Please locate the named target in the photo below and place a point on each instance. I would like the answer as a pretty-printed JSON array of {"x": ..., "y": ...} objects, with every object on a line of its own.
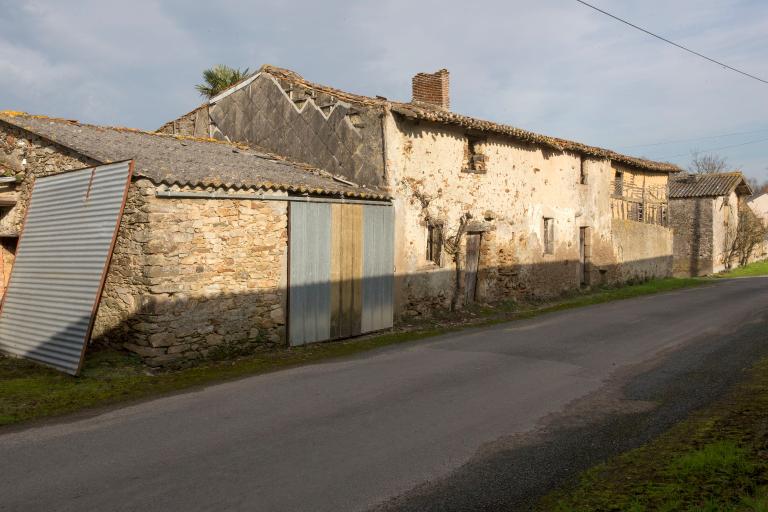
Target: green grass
[
  {"x": 717, "y": 460},
  {"x": 29, "y": 391},
  {"x": 759, "y": 268}
]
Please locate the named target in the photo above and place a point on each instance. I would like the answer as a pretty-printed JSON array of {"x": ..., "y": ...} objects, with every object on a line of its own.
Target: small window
[
  {"x": 618, "y": 184},
  {"x": 583, "y": 171},
  {"x": 474, "y": 160},
  {"x": 434, "y": 242},
  {"x": 549, "y": 235}
]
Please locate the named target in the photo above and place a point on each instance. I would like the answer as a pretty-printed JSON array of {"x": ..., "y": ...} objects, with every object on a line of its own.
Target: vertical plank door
[{"x": 472, "y": 262}]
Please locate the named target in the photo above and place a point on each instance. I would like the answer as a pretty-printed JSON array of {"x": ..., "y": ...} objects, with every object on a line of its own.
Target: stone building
[
  {"x": 201, "y": 256},
  {"x": 704, "y": 215},
  {"x": 759, "y": 205},
  {"x": 483, "y": 211}
]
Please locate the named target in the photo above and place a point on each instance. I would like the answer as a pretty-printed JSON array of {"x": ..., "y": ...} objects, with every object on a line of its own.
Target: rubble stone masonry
[
  {"x": 186, "y": 275},
  {"x": 190, "y": 275}
]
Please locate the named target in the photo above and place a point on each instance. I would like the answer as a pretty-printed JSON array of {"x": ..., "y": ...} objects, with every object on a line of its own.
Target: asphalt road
[{"x": 486, "y": 419}]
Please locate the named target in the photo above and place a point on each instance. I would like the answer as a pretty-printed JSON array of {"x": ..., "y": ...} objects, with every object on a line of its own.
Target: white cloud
[{"x": 553, "y": 66}]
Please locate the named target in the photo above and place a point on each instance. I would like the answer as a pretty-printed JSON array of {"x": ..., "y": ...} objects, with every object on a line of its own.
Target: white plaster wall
[{"x": 522, "y": 185}]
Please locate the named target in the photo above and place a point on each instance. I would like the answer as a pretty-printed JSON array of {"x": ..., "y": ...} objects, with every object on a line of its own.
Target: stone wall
[
  {"x": 643, "y": 251},
  {"x": 25, "y": 156},
  {"x": 520, "y": 186},
  {"x": 186, "y": 275},
  {"x": 194, "y": 124},
  {"x": 691, "y": 221},
  {"x": 213, "y": 274}
]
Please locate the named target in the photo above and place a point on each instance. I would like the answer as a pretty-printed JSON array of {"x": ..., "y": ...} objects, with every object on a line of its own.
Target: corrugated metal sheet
[
  {"x": 341, "y": 271},
  {"x": 310, "y": 273},
  {"x": 378, "y": 267},
  {"x": 61, "y": 262}
]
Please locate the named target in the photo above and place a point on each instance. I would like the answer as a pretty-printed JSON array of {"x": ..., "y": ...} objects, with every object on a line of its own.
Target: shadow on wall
[
  {"x": 167, "y": 329},
  {"x": 696, "y": 240}
]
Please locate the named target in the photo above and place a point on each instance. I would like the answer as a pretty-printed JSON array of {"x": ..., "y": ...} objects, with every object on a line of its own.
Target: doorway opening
[{"x": 584, "y": 255}]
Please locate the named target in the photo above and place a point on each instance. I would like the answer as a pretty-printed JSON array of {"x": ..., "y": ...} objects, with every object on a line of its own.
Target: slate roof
[
  {"x": 437, "y": 115},
  {"x": 178, "y": 160},
  {"x": 707, "y": 185}
]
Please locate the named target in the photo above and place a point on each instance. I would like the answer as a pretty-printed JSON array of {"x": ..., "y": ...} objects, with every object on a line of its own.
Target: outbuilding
[
  {"x": 704, "y": 216},
  {"x": 218, "y": 243}
]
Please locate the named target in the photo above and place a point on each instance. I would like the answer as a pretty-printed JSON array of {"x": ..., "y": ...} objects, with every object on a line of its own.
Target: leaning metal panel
[{"x": 63, "y": 254}]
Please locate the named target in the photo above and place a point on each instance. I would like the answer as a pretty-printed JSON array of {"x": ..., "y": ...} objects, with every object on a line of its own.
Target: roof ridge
[{"x": 448, "y": 117}]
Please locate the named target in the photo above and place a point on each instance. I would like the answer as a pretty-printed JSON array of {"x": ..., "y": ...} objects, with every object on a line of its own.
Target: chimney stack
[{"x": 431, "y": 88}]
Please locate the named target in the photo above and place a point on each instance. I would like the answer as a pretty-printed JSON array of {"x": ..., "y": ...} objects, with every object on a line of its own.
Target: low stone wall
[{"x": 643, "y": 251}]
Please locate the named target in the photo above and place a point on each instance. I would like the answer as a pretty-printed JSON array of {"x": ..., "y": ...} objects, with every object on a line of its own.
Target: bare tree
[
  {"x": 750, "y": 233},
  {"x": 704, "y": 163}
]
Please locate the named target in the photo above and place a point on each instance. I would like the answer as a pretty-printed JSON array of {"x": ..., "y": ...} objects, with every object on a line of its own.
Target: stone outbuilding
[
  {"x": 204, "y": 257},
  {"x": 483, "y": 211},
  {"x": 704, "y": 215}
]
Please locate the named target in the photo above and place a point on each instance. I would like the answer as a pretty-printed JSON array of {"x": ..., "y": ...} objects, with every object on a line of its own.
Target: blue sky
[{"x": 552, "y": 66}]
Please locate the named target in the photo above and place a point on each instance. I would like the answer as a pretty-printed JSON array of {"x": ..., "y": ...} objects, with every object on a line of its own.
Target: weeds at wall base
[{"x": 29, "y": 391}]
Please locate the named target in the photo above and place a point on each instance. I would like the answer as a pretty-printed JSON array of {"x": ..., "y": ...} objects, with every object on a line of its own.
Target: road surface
[{"x": 484, "y": 419}]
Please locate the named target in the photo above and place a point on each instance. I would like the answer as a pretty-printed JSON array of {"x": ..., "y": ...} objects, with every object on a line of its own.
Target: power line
[
  {"x": 721, "y": 147},
  {"x": 641, "y": 29},
  {"x": 663, "y": 143}
]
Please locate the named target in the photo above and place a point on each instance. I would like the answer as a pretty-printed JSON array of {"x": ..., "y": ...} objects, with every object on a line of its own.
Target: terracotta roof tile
[{"x": 435, "y": 114}]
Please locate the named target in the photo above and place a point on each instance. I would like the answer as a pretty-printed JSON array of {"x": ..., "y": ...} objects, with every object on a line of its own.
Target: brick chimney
[{"x": 432, "y": 88}]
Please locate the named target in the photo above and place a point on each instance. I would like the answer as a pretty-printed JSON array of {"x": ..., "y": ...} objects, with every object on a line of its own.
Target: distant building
[
  {"x": 704, "y": 215},
  {"x": 759, "y": 205}
]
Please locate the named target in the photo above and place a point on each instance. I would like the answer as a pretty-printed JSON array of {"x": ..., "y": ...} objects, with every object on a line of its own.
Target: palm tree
[{"x": 218, "y": 78}]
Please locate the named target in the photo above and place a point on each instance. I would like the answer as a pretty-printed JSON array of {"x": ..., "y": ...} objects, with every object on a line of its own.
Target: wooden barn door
[{"x": 472, "y": 263}]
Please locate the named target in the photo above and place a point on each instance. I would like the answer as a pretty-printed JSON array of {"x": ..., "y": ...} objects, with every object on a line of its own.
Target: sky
[{"x": 550, "y": 66}]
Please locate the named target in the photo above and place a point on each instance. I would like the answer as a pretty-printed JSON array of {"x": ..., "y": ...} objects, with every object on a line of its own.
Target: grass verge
[
  {"x": 759, "y": 268},
  {"x": 717, "y": 460},
  {"x": 29, "y": 391}
]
